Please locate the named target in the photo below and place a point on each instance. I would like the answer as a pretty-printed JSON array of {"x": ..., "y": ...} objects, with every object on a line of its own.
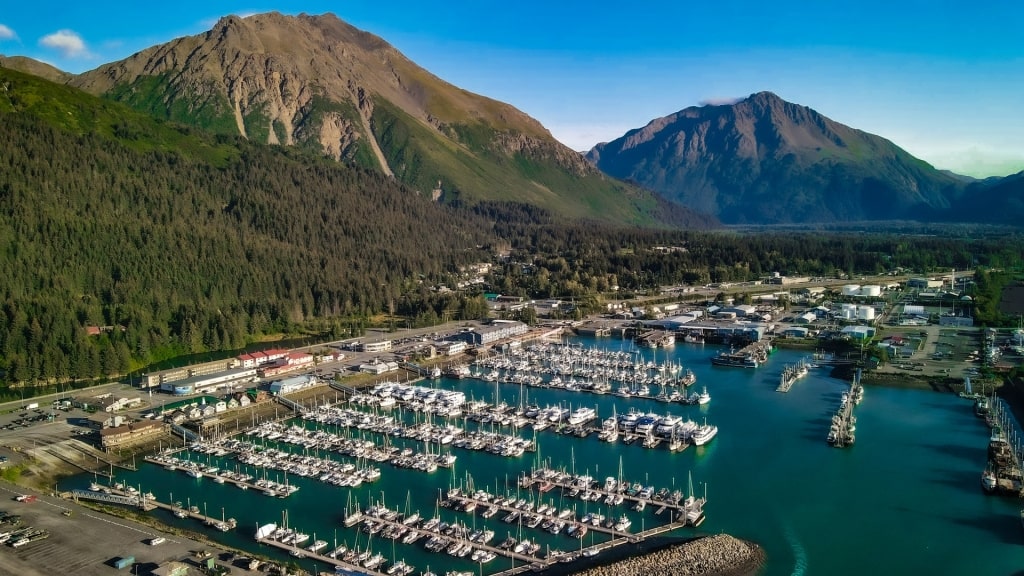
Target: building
[
  {"x": 858, "y": 332},
  {"x": 805, "y": 318},
  {"x": 162, "y": 377},
  {"x": 490, "y": 333},
  {"x": 203, "y": 382},
  {"x": 293, "y": 384},
  {"x": 376, "y": 347},
  {"x": 923, "y": 283},
  {"x": 131, "y": 433},
  {"x": 951, "y": 320},
  {"x": 111, "y": 403},
  {"x": 795, "y": 332},
  {"x": 738, "y": 311},
  {"x": 377, "y": 368},
  {"x": 450, "y": 348}
]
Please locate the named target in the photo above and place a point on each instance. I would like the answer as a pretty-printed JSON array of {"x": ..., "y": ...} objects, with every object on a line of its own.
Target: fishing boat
[{"x": 735, "y": 359}]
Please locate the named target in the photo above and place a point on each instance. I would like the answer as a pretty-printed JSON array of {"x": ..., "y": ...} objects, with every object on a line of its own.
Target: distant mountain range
[
  {"x": 763, "y": 160},
  {"x": 319, "y": 83}
]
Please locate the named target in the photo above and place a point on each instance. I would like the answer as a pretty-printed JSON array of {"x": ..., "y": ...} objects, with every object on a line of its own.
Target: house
[
  {"x": 111, "y": 403},
  {"x": 378, "y": 368}
]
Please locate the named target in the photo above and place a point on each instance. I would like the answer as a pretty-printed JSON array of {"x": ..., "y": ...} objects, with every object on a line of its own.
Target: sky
[{"x": 943, "y": 79}]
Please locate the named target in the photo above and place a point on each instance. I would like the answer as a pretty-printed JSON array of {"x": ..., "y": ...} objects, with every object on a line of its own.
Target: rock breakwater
[{"x": 719, "y": 555}]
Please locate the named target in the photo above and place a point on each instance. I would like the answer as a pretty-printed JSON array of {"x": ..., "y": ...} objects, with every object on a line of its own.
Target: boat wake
[{"x": 799, "y": 552}]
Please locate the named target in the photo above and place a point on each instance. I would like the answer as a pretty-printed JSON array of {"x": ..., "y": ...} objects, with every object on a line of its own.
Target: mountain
[
  {"x": 992, "y": 200},
  {"x": 34, "y": 67},
  {"x": 763, "y": 160},
  {"x": 319, "y": 83}
]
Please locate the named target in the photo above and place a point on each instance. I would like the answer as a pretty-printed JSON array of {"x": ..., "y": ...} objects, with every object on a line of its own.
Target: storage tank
[
  {"x": 871, "y": 290},
  {"x": 849, "y": 313},
  {"x": 866, "y": 313},
  {"x": 851, "y": 290}
]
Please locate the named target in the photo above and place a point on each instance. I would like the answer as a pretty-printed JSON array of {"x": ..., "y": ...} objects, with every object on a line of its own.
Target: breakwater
[{"x": 719, "y": 555}]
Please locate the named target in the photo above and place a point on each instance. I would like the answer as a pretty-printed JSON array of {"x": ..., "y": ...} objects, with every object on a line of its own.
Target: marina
[{"x": 763, "y": 509}]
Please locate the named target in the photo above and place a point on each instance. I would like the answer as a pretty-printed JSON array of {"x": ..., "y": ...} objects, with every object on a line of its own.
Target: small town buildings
[
  {"x": 131, "y": 434},
  {"x": 805, "y": 318},
  {"x": 450, "y": 347},
  {"x": 490, "y": 333},
  {"x": 203, "y": 382},
  {"x": 377, "y": 367},
  {"x": 111, "y": 403},
  {"x": 293, "y": 384},
  {"x": 376, "y": 347}
]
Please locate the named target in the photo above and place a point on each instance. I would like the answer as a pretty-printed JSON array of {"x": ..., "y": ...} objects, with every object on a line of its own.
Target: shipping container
[{"x": 124, "y": 562}]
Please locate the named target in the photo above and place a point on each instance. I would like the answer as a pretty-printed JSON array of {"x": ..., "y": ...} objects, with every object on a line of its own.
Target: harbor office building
[{"x": 490, "y": 333}]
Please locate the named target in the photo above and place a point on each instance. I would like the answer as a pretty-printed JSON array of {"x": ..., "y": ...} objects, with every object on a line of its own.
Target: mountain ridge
[
  {"x": 766, "y": 160},
  {"x": 318, "y": 82}
]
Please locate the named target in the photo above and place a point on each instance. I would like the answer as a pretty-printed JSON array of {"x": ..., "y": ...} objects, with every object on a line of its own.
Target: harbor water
[{"x": 906, "y": 498}]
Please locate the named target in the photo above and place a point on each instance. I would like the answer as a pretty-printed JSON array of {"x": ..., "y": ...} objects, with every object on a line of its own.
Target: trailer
[{"x": 32, "y": 406}]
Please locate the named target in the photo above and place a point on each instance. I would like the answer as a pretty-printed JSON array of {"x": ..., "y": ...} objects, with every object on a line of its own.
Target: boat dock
[
  {"x": 691, "y": 508},
  {"x": 844, "y": 423},
  {"x": 300, "y": 552}
]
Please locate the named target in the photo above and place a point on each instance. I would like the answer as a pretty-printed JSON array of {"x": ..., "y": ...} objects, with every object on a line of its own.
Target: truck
[
  {"x": 124, "y": 562},
  {"x": 32, "y": 406}
]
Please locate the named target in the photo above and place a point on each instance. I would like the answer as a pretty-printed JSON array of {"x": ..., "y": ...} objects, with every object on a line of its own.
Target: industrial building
[
  {"x": 924, "y": 283},
  {"x": 203, "y": 382},
  {"x": 490, "y": 333},
  {"x": 293, "y": 384}
]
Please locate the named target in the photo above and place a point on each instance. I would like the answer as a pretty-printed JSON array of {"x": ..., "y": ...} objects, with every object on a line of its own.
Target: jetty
[
  {"x": 790, "y": 374},
  {"x": 844, "y": 423}
]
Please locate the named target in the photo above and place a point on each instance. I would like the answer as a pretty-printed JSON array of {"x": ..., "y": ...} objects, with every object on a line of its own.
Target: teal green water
[{"x": 905, "y": 500}]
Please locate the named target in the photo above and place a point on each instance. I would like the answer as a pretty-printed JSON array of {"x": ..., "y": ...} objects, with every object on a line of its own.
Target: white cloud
[
  {"x": 719, "y": 101},
  {"x": 67, "y": 42},
  {"x": 7, "y": 34}
]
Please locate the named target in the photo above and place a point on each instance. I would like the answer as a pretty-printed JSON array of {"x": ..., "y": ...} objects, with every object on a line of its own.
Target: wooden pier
[
  {"x": 680, "y": 508},
  {"x": 305, "y": 553}
]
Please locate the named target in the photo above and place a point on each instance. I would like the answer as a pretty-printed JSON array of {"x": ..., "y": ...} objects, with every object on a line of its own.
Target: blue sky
[{"x": 943, "y": 79}]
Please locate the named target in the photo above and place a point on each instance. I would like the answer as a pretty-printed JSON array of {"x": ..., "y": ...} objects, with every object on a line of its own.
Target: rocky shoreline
[{"x": 719, "y": 555}]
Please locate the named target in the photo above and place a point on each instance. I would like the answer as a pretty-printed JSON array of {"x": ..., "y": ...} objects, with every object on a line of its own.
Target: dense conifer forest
[{"x": 125, "y": 241}]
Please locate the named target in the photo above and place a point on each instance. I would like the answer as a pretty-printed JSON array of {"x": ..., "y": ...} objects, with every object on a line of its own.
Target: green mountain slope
[
  {"x": 319, "y": 83},
  {"x": 111, "y": 218}
]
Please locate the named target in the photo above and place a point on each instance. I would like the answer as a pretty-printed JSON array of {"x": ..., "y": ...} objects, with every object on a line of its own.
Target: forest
[{"x": 125, "y": 242}]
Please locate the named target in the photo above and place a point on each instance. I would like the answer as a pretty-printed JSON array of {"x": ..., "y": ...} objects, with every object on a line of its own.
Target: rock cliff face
[
  {"x": 319, "y": 83},
  {"x": 764, "y": 160}
]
